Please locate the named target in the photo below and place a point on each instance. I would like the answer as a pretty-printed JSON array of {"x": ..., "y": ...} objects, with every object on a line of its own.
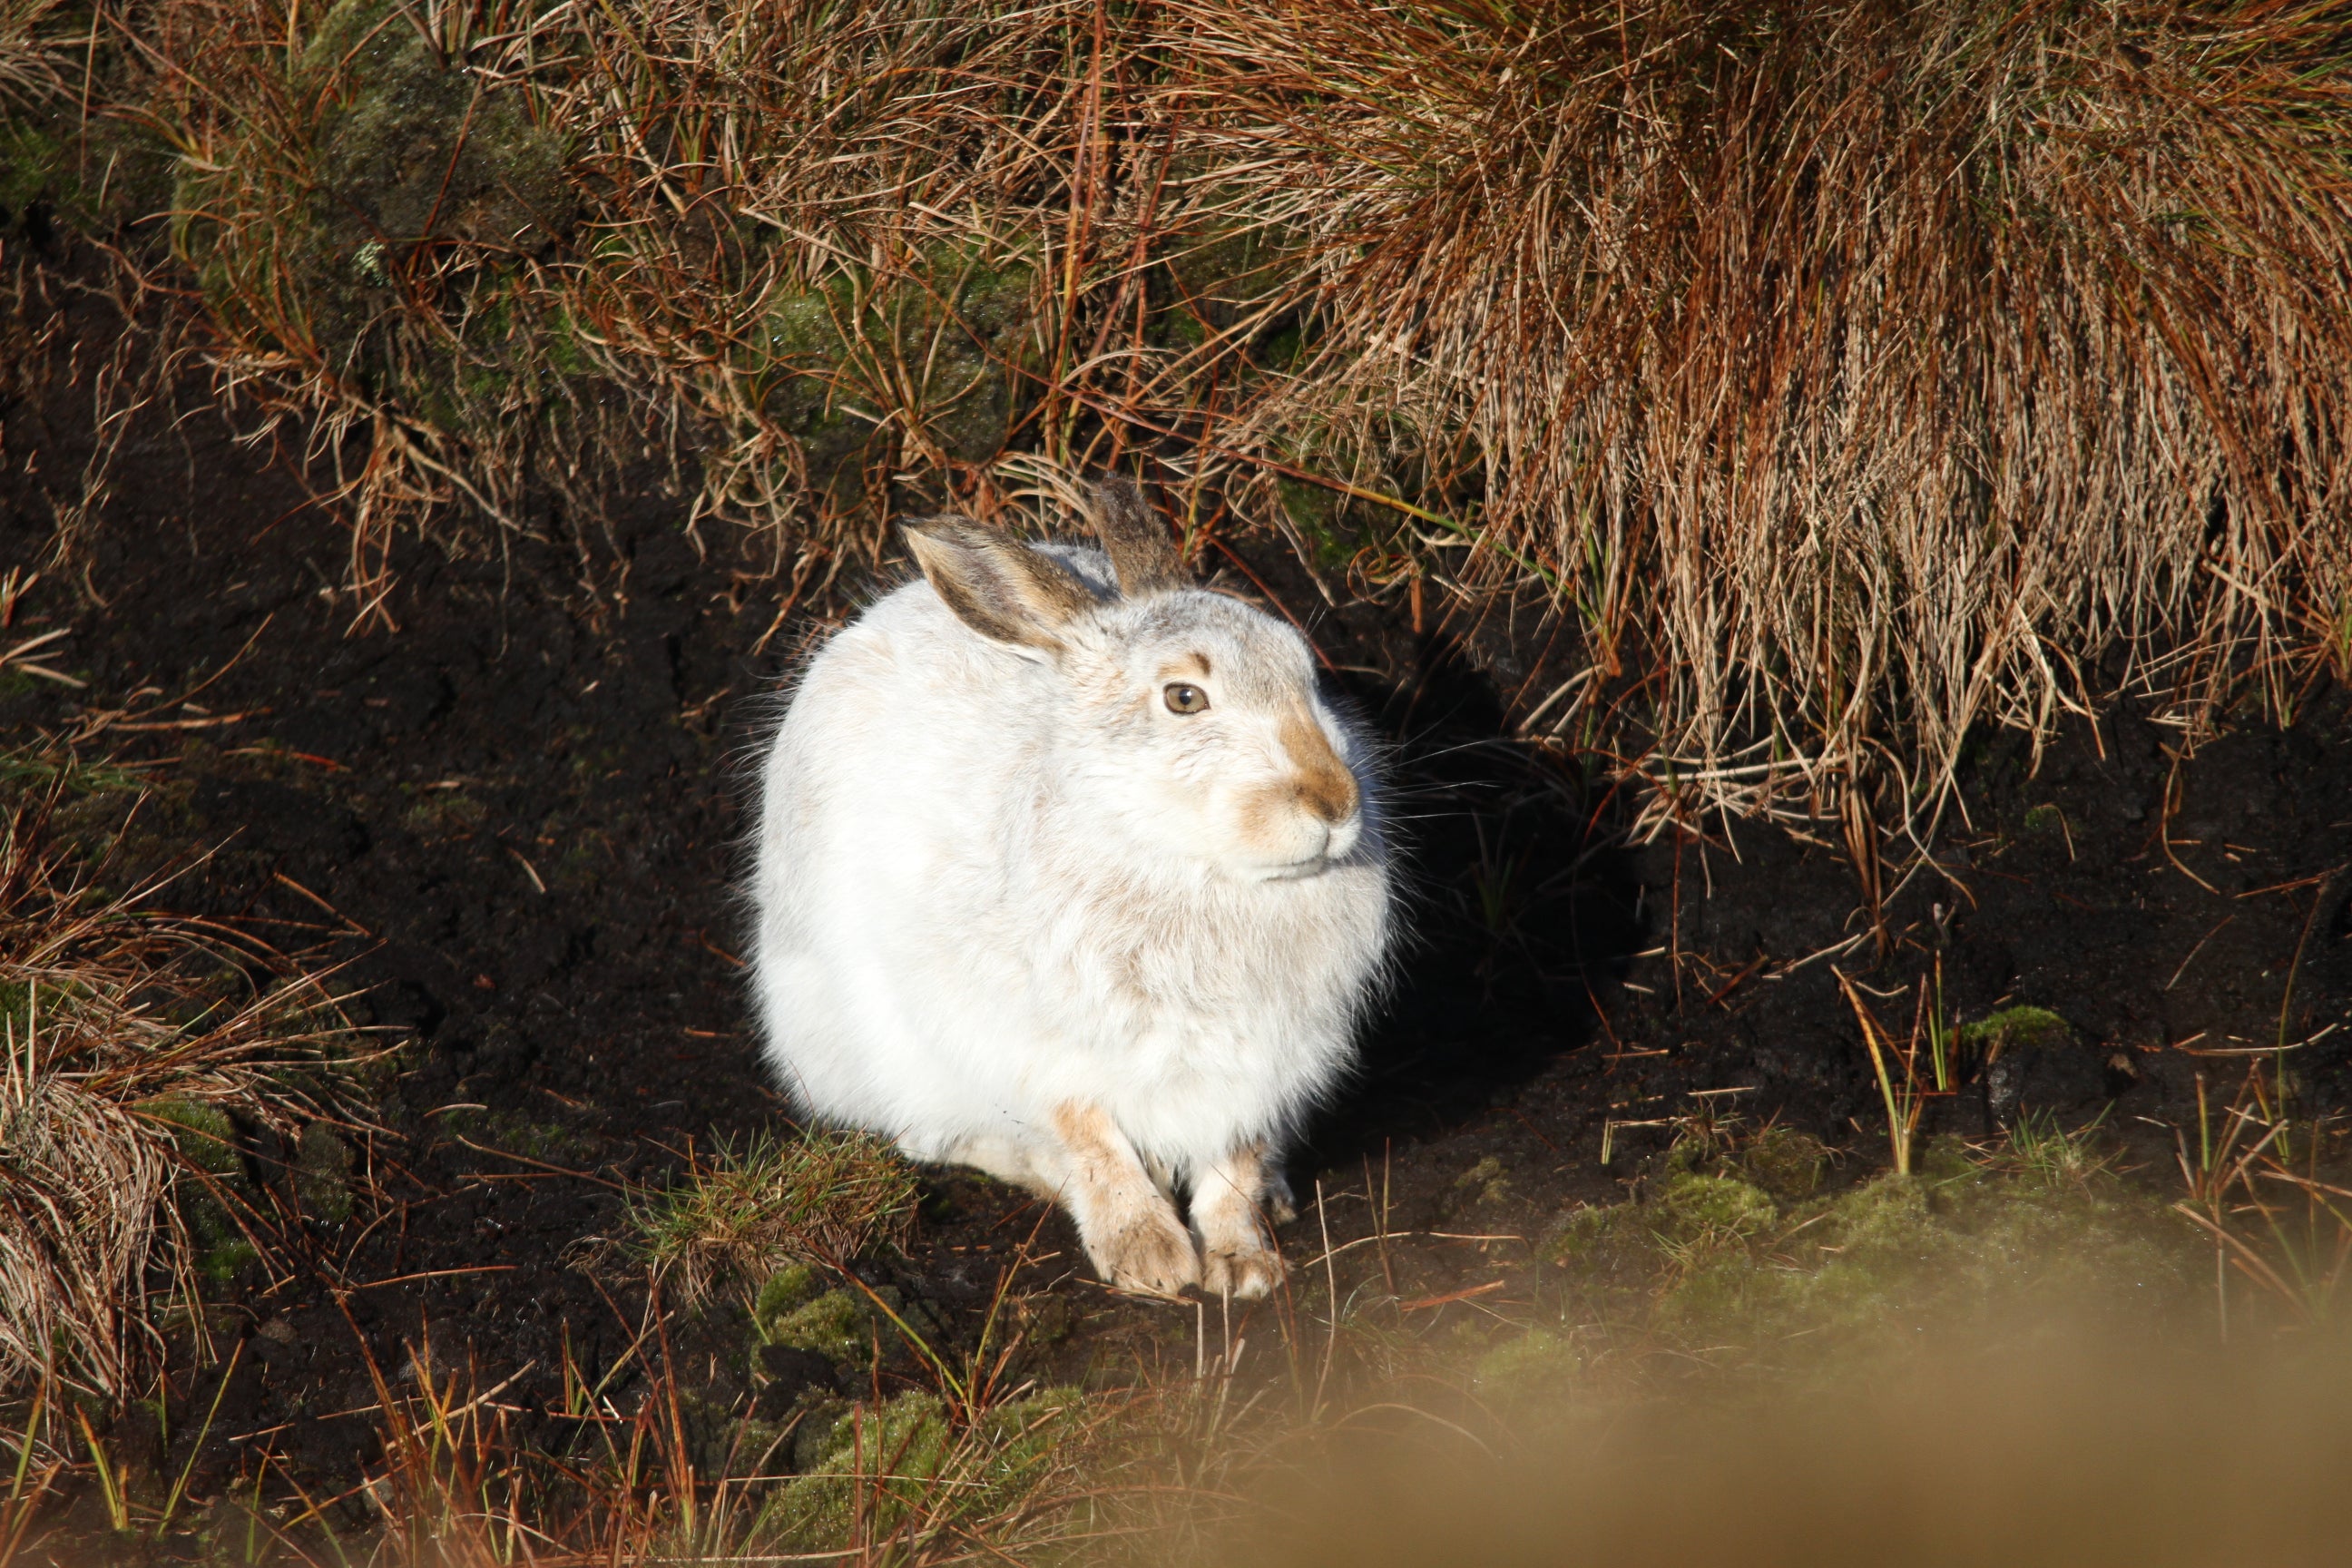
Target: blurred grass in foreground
[
  {"x": 2015, "y": 1352},
  {"x": 2055, "y": 1451}
]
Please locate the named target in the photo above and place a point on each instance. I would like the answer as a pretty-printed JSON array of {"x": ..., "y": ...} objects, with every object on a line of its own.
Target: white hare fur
[{"x": 1018, "y": 908}]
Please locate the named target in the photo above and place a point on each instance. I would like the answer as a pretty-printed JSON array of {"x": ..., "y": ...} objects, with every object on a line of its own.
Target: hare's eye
[{"x": 1184, "y": 698}]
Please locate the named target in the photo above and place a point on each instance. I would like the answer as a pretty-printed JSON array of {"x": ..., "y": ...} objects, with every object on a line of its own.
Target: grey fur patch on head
[
  {"x": 1137, "y": 541},
  {"x": 995, "y": 584}
]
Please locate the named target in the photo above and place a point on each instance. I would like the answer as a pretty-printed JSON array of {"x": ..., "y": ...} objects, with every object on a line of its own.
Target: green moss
[
  {"x": 30, "y": 160},
  {"x": 411, "y": 149},
  {"x": 2045, "y": 819},
  {"x": 904, "y": 1466},
  {"x": 830, "y": 359},
  {"x": 312, "y": 228},
  {"x": 322, "y": 1172},
  {"x": 203, "y": 1133},
  {"x": 2014, "y": 1028},
  {"x": 836, "y": 1325},
  {"x": 847, "y": 1325},
  {"x": 1716, "y": 1262},
  {"x": 1702, "y": 1227},
  {"x": 1539, "y": 1363},
  {"x": 1315, "y": 514},
  {"x": 206, "y": 1141},
  {"x": 1696, "y": 1208},
  {"x": 95, "y": 173},
  {"x": 786, "y": 1290},
  {"x": 1689, "y": 1232},
  {"x": 1898, "y": 1253},
  {"x": 1787, "y": 1164},
  {"x": 1485, "y": 1180}
]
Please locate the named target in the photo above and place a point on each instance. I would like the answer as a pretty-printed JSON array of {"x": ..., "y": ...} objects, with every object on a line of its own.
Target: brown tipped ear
[
  {"x": 995, "y": 584},
  {"x": 1135, "y": 539}
]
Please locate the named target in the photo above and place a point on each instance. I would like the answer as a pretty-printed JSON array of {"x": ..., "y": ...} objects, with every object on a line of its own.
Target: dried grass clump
[
  {"x": 1856, "y": 373},
  {"x": 817, "y": 248},
  {"x": 123, "y": 1028},
  {"x": 818, "y": 1197},
  {"x": 1839, "y": 378},
  {"x": 32, "y": 49},
  {"x": 835, "y": 236},
  {"x": 366, "y": 208}
]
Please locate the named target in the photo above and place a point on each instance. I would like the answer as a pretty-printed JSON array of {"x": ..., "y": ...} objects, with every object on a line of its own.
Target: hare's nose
[{"x": 1326, "y": 787}]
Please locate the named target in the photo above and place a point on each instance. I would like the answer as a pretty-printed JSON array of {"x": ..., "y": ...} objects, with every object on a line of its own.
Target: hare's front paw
[
  {"x": 1244, "y": 1268},
  {"x": 1150, "y": 1252}
]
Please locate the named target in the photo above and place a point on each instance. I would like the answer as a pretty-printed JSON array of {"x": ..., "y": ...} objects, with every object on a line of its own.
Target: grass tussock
[
  {"x": 1856, "y": 373},
  {"x": 1840, "y": 377},
  {"x": 33, "y": 42},
  {"x": 810, "y": 1198},
  {"x": 135, "y": 1044}
]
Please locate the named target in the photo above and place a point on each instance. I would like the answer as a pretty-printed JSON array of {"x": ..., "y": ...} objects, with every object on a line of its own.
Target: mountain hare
[{"x": 1065, "y": 871}]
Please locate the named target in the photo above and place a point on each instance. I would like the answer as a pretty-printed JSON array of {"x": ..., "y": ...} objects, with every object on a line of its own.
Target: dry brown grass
[
  {"x": 1842, "y": 377},
  {"x": 32, "y": 49},
  {"x": 1856, "y": 374},
  {"x": 2267, "y": 1187},
  {"x": 765, "y": 226},
  {"x": 117, "y": 1019}
]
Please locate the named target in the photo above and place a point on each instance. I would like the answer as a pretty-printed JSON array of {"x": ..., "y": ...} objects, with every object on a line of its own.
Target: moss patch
[
  {"x": 2014, "y": 1028},
  {"x": 1787, "y": 1164},
  {"x": 206, "y": 1141},
  {"x": 786, "y": 1290},
  {"x": 322, "y": 1172},
  {"x": 904, "y": 1466},
  {"x": 830, "y": 358},
  {"x": 835, "y": 1325},
  {"x": 1716, "y": 1261}
]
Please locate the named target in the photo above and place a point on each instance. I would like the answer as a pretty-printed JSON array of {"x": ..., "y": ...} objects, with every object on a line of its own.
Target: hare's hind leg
[
  {"x": 1129, "y": 1228},
  {"x": 1230, "y": 1196}
]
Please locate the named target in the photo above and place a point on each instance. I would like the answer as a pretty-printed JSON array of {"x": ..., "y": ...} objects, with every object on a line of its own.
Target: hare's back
[
  {"x": 879, "y": 853},
  {"x": 908, "y": 731}
]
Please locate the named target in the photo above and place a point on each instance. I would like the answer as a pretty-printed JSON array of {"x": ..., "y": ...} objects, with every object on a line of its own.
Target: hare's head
[{"x": 1194, "y": 721}]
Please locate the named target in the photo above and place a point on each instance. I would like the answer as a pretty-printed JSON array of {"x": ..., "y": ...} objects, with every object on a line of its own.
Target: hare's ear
[
  {"x": 1136, "y": 541},
  {"x": 995, "y": 584}
]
